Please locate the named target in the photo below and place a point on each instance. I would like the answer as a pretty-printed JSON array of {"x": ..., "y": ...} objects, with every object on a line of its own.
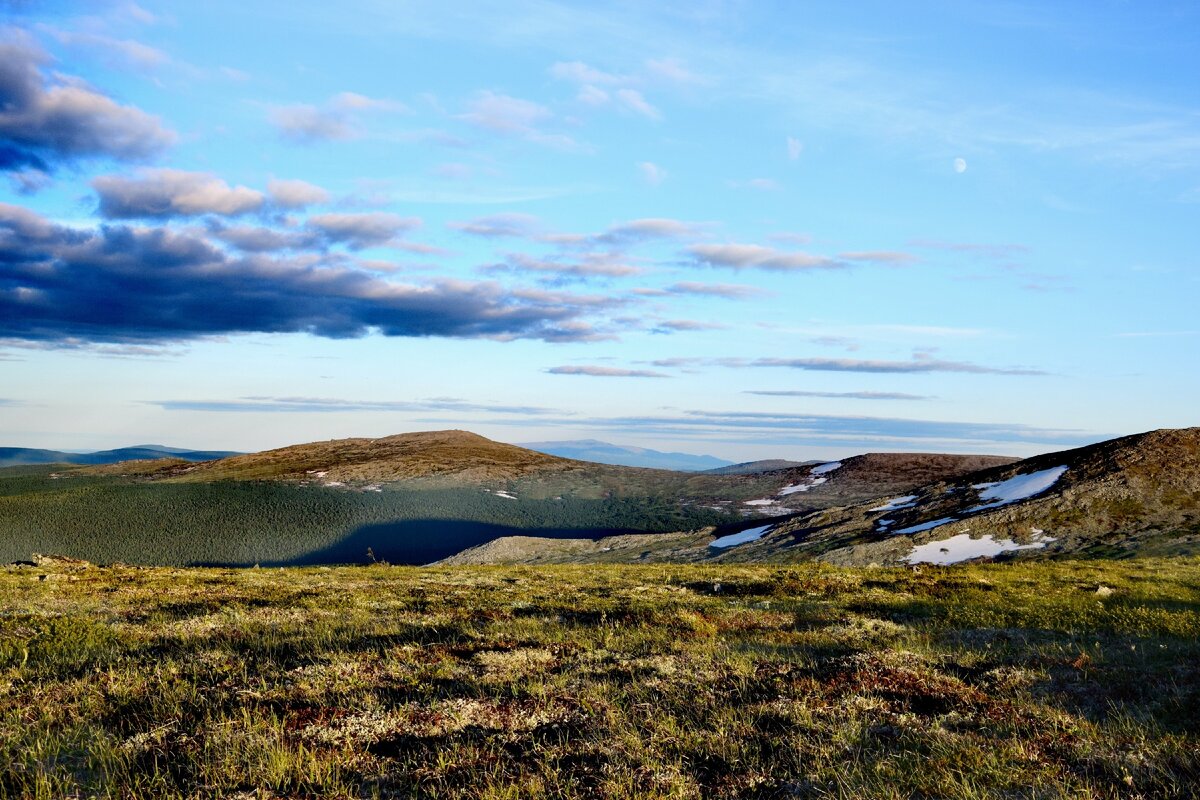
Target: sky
[{"x": 747, "y": 229}]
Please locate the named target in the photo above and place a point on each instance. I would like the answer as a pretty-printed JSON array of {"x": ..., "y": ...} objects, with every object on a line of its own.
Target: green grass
[
  {"x": 1014, "y": 681},
  {"x": 108, "y": 519}
]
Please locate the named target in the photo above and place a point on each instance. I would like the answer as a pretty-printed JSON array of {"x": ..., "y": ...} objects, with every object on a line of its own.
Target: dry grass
[{"x": 1016, "y": 681}]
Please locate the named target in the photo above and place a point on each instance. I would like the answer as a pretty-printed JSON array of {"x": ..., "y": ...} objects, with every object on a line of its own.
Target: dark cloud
[
  {"x": 167, "y": 193},
  {"x": 130, "y": 285},
  {"x": 48, "y": 120},
  {"x": 606, "y": 372},
  {"x": 841, "y": 395},
  {"x": 257, "y": 239},
  {"x": 359, "y": 231}
]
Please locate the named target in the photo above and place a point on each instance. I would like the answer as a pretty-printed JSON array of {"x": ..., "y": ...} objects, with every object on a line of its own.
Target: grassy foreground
[{"x": 1030, "y": 680}]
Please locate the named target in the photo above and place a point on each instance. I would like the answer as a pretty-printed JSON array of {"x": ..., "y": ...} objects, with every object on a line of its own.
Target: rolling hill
[
  {"x": 409, "y": 498},
  {"x": 25, "y": 456},
  {"x": 1136, "y": 495}
]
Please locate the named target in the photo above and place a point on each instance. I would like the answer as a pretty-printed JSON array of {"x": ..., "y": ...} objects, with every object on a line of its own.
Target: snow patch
[
  {"x": 924, "y": 526},
  {"x": 766, "y": 501},
  {"x": 963, "y": 548},
  {"x": 504, "y": 494},
  {"x": 1018, "y": 487},
  {"x": 897, "y": 503},
  {"x": 741, "y": 537},
  {"x": 821, "y": 469},
  {"x": 801, "y": 487}
]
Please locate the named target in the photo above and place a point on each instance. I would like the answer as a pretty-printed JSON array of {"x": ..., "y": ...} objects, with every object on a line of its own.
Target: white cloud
[
  {"x": 794, "y": 148},
  {"x": 672, "y": 69},
  {"x": 740, "y": 256},
  {"x": 295, "y": 193},
  {"x": 652, "y": 173},
  {"x": 579, "y": 72},
  {"x": 633, "y": 100}
]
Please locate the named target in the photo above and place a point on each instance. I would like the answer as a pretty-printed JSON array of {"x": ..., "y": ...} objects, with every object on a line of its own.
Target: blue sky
[{"x": 749, "y": 229}]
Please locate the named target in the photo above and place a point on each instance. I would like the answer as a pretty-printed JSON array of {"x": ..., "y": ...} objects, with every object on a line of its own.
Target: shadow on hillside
[{"x": 419, "y": 541}]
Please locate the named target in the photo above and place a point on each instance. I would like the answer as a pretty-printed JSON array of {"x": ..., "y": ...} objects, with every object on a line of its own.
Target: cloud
[
  {"x": 757, "y": 184},
  {"x": 113, "y": 52},
  {"x": 132, "y": 285},
  {"x": 322, "y": 405},
  {"x": 633, "y": 100},
  {"x": 579, "y": 72},
  {"x": 677, "y": 325},
  {"x": 588, "y": 265},
  {"x": 256, "y": 239},
  {"x": 917, "y": 365},
  {"x": 295, "y": 193},
  {"x": 166, "y": 193},
  {"x": 359, "y": 231},
  {"x": 673, "y": 70},
  {"x": 861, "y": 433},
  {"x": 652, "y": 173},
  {"x": 878, "y": 256},
  {"x": 44, "y": 122},
  {"x": 637, "y": 230},
  {"x": 306, "y": 124},
  {"x": 302, "y": 123},
  {"x": 794, "y": 148},
  {"x": 841, "y": 395},
  {"x": 607, "y": 372},
  {"x": 987, "y": 251},
  {"x": 743, "y": 256},
  {"x": 495, "y": 226},
  {"x": 729, "y": 291}
]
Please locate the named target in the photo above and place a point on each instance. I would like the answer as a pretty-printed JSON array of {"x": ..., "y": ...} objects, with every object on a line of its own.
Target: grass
[{"x": 1015, "y": 681}]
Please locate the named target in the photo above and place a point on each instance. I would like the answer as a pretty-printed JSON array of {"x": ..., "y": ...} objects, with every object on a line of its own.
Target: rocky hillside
[{"x": 1134, "y": 495}]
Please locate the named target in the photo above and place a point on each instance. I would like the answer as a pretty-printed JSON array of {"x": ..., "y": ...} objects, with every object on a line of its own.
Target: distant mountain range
[
  {"x": 26, "y": 456},
  {"x": 620, "y": 455}
]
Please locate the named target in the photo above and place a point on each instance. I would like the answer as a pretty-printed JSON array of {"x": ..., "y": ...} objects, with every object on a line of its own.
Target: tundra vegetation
[{"x": 1053, "y": 679}]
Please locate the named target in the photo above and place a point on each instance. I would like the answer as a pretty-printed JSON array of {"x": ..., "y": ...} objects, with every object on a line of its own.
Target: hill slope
[
  {"x": 25, "y": 456},
  {"x": 1134, "y": 495}
]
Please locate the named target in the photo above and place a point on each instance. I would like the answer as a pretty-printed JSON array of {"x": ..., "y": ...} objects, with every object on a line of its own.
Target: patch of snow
[
  {"x": 924, "y": 526},
  {"x": 316, "y": 474},
  {"x": 821, "y": 469},
  {"x": 984, "y": 485},
  {"x": 373, "y": 487},
  {"x": 800, "y": 487},
  {"x": 334, "y": 483},
  {"x": 1036, "y": 531},
  {"x": 1018, "y": 487},
  {"x": 883, "y": 523},
  {"x": 963, "y": 548},
  {"x": 766, "y": 501},
  {"x": 505, "y": 495},
  {"x": 897, "y": 503},
  {"x": 741, "y": 537}
]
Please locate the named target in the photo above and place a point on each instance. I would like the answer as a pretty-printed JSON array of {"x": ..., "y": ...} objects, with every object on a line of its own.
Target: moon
[{"x": 960, "y": 165}]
